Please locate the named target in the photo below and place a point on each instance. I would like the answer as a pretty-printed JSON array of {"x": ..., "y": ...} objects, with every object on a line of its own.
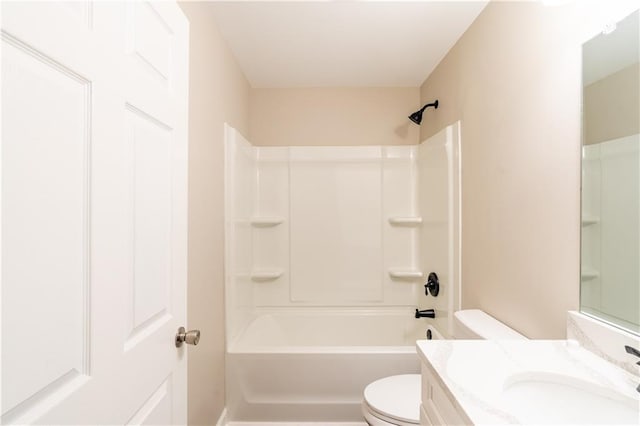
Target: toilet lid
[{"x": 397, "y": 397}]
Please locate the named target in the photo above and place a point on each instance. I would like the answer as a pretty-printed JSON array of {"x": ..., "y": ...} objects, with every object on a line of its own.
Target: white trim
[{"x": 222, "y": 420}]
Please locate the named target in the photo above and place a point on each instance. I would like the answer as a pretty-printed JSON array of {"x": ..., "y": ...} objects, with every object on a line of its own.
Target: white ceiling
[
  {"x": 342, "y": 43},
  {"x": 613, "y": 50}
]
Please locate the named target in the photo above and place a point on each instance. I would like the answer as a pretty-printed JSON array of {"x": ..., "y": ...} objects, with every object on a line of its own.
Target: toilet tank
[{"x": 476, "y": 324}]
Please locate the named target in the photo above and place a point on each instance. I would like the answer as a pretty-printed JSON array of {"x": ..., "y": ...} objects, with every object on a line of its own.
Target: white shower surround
[
  {"x": 339, "y": 226},
  {"x": 327, "y": 249}
]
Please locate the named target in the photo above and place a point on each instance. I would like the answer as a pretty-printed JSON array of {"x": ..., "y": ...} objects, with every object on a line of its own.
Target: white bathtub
[{"x": 313, "y": 365}]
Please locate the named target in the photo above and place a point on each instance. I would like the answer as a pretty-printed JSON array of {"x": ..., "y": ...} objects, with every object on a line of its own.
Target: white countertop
[{"x": 475, "y": 373}]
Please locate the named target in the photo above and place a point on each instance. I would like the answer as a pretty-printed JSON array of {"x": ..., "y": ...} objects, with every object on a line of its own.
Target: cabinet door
[{"x": 436, "y": 406}]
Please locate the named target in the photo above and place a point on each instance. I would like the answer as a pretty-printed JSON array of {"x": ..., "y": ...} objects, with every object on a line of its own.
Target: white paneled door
[{"x": 93, "y": 219}]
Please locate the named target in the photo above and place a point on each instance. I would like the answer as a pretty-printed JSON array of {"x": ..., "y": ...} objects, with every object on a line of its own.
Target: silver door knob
[{"x": 191, "y": 337}]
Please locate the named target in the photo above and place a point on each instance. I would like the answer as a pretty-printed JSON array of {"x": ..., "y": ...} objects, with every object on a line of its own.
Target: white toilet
[{"x": 395, "y": 400}]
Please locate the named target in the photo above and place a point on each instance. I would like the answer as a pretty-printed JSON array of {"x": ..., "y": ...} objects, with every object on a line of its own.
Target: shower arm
[{"x": 433, "y": 104}]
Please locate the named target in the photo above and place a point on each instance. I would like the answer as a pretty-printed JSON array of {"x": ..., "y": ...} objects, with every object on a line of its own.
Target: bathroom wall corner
[{"x": 218, "y": 93}]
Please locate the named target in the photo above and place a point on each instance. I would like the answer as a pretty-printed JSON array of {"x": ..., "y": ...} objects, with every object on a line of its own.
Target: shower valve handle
[{"x": 432, "y": 287}]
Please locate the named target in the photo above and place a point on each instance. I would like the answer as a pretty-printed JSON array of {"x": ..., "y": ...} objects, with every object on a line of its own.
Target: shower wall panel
[
  {"x": 321, "y": 226},
  {"x": 270, "y": 228},
  {"x": 240, "y": 190},
  {"x": 336, "y": 237},
  {"x": 401, "y": 224},
  {"x": 440, "y": 199}
]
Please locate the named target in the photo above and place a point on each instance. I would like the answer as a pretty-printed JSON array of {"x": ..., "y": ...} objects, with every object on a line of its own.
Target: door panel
[
  {"x": 156, "y": 410},
  {"x": 93, "y": 222},
  {"x": 149, "y": 38},
  {"x": 44, "y": 219},
  {"x": 150, "y": 144}
]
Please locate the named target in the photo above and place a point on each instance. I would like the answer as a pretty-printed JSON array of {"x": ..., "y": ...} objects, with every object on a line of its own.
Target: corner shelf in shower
[
  {"x": 266, "y": 274},
  {"x": 405, "y": 274},
  {"x": 405, "y": 220},
  {"x": 590, "y": 220},
  {"x": 589, "y": 274},
  {"x": 266, "y": 221}
]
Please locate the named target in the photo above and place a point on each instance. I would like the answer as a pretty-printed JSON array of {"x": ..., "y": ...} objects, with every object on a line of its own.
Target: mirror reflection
[{"x": 610, "y": 258}]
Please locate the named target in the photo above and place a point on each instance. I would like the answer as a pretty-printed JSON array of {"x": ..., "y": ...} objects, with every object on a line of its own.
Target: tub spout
[{"x": 426, "y": 313}]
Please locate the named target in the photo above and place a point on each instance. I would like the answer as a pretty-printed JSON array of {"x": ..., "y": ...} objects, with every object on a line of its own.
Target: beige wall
[
  {"x": 612, "y": 106},
  {"x": 334, "y": 116},
  {"x": 514, "y": 81},
  {"x": 218, "y": 93}
]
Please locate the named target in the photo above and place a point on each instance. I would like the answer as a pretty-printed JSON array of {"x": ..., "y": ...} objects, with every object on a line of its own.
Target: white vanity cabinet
[{"x": 436, "y": 408}]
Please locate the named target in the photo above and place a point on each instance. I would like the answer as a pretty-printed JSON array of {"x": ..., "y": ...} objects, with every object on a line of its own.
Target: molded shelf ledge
[
  {"x": 405, "y": 274},
  {"x": 589, "y": 274},
  {"x": 266, "y": 221},
  {"x": 590, "y": 220},
  {"x": 405, "y": 220},
  {"x": 266, "y": 275}
]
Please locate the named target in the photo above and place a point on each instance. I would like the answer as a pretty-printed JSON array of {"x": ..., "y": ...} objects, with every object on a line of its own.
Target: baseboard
[
  {"x": 222, "y": 420},
  {"x": 296, "y": 424}
]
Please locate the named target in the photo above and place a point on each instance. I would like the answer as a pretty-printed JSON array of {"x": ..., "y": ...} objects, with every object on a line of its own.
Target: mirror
[{"x": 610, "y": 246}]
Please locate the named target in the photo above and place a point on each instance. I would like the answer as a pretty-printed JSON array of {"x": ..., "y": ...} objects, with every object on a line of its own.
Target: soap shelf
[
  {"x": 266, "y": 275},
  {"x": 266, "y": 221},
  {"x": 590, "y": 220},
  {"x": 589, "y": 274},
  {"x": 405, "y": 274},
  {"x": 405, "y": 220}
]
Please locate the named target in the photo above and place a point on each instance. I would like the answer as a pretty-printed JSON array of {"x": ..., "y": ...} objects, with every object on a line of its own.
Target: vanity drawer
[{"x": 438, "y": 409}]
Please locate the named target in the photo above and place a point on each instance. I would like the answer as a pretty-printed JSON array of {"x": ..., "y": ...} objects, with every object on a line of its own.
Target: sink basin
[{"x": 545, "y": 398}]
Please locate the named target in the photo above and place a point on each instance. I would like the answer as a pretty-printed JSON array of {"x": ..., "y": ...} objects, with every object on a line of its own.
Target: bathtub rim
[{"x": 236, "y": 346}]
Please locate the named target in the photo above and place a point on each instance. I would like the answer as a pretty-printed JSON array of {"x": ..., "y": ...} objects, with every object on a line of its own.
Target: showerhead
[{"x": 416, "y": 117}]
